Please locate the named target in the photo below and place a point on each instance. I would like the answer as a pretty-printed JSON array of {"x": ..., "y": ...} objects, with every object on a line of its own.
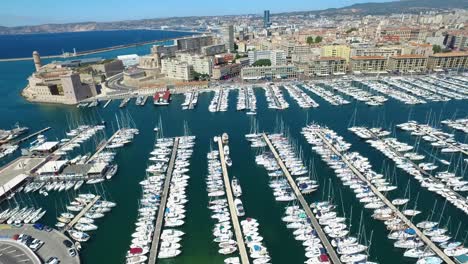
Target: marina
[
  {"x": 244, "y": 259},
  {"x": 329, "y": 248},
  {"x": 155, "y": 247},
  {"x": 262, "y": 200},
  {"x": 341, "y": 148}
]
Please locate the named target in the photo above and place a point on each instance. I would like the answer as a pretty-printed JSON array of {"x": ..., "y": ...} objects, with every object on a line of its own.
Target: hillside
[{"x": 403, "y": 6}]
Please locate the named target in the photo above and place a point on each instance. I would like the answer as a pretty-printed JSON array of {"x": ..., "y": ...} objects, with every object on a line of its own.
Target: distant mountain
[{"x": 402, "y": 6}]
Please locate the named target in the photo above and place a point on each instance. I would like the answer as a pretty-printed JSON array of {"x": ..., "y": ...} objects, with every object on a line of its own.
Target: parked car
[
  {"x": 36, "y": 244},
  {"x": 39, "y": 226},
  {"x": 68, "y": 243},
  {"x": 53, "y": 260},
  {"x": 71, "y": 252}
]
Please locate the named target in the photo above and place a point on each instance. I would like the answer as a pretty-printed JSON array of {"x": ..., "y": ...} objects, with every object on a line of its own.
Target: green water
[{"x": 111, "y": 241}]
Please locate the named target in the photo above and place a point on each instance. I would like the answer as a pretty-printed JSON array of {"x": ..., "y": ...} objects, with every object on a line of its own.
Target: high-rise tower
[{"x": 266, "y": 18}]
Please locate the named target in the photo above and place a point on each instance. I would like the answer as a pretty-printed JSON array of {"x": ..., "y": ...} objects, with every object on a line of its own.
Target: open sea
[
  {"x": 21, "y": 46},
  {"x": 111, "y": 241}
]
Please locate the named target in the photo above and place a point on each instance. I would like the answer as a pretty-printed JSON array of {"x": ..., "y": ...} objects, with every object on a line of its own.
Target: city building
[
  {"x": 449, "y": 60},
  {"x": 194, "y": 43},
  {"x": 276, "y": 57},
  {"x": 266, "y": 18},
  {"x": 386, "y": 51},
  {"x": 269, "y": 72},
  {"x": 188, "y": 44},
  {"x": 368, "y": 64},
  {"x": 176, "y": 69},
  {"x": 341, "y": 51},
  {"x": 408, "y": 63},
  {"x": 108, "y": 68},
  {"x": 398, "y": 34},
  {"x": 457, "y": 40},
  {"x": 201, "y": 64},
  {"x": 226, "y": 71},
  {"x": 213, "y": 49},
  {"x": 228, "y": 37},
  {"x": 325, "y": 66}
]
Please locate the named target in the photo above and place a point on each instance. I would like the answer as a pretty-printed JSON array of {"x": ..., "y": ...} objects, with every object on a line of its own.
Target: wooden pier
[
  {"x": 31, "y": 135},
  {"x": 382, "y": 197},
  {"x": 275, "y": 98},
  {"x": 330, "y": 250},
  {"x": 107, "y": 103},
  {"x": 102, "y": 146},
  {"x": 232, "y": 207},
  {"x": 153, "y": 254},
  {"x": 81, "y": 213}
]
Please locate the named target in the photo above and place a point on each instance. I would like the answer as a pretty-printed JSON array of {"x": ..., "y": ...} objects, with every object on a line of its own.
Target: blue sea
[{"x": 20, "y": 46}]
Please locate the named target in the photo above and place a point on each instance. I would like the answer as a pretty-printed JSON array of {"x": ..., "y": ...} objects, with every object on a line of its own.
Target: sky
[{"x": 35, "y": 12}]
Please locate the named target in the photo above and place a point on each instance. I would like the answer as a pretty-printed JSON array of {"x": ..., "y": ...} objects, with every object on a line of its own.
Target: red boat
[{"x": 162, "y": 98}]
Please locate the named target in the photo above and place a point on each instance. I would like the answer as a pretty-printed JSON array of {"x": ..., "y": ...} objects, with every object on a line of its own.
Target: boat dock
[
  {"x": 81, "y": 213},
  {"x": 424, "y": 172},
  {"x": 107, "y": 103},
  {"x": 153, "y": 254},
  {"x": 382, "y": 197},
  {"x": 102, "y": 146},
  {"x": 455, "y": 146},
  {"x": 330, "y": 250},
  {"x": 232, "y": 208},
  {"x": 31, "y": 135},
  {"x": 124, "y": 102}
]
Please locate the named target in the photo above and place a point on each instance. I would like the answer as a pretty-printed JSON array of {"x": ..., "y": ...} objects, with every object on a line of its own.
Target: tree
[
  {"x": 200, "y": 76},
  {"x": 263, "y": 62},
  {"x": 318, "y": 39},
  {"x": 351, "y": 30},
  {"x": 436, "y": 48},
  {"x": 310, "y": 40}
]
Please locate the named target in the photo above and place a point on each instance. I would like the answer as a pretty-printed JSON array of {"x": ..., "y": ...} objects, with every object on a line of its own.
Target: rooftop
[
  {"x": 52, "y": 167},
  {"x": 368, "y": 58},
  {"x": 450, "y": 54},
  {"x": 409, "y": 56}
]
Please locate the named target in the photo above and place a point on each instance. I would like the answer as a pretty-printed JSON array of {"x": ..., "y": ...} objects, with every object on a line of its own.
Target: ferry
[{"x": 162, "y": 98}]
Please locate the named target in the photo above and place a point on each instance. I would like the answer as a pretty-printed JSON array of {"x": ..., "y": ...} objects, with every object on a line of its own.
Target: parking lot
[
  {"x": 53, "y": 244},
  {"x": 12, "y": 252}
]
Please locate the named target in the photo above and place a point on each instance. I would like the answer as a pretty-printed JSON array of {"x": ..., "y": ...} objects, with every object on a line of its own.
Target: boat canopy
[{"x": 136, "y": 250}]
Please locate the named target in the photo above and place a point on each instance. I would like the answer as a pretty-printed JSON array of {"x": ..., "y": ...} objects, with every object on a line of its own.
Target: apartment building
[
  {"x": 324, "y": 66},
  {"x": 451, "y": 60},
  {"x": 277, "y": 57},
  {"x": 368, "y": 64},
  {"x": 176, "y": 69},
  {"x": 408, "y": 63},
  {"x": 269, "y": 72},
  {"x": 226, "y": 71},
  {"x": 341, "y": 51}
]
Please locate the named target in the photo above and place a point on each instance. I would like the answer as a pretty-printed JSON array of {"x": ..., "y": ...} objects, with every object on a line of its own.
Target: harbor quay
[{"x": 52, "y": 245}]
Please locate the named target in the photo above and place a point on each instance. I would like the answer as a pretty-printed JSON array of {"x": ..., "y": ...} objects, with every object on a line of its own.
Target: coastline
[{"x": 105, "y": 49}]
